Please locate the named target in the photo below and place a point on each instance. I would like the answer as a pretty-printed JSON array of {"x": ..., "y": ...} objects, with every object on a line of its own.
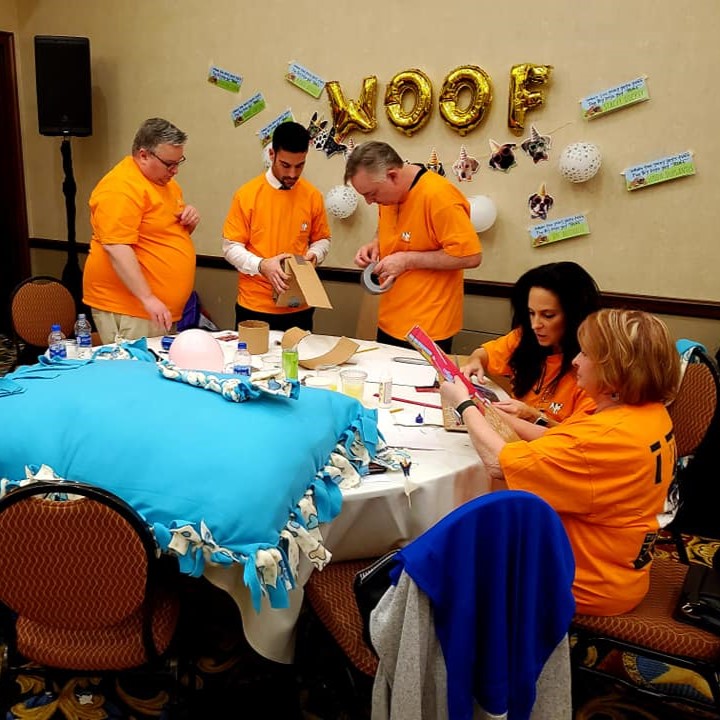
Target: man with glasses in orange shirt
[{"x": 141, "y": 267}]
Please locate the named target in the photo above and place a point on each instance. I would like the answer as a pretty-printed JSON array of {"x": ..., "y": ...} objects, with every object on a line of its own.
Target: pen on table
[{"x": 415, "y": 402}]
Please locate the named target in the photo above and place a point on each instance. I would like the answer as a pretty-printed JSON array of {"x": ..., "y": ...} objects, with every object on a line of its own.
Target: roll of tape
[{"x": 369, "y": 283}]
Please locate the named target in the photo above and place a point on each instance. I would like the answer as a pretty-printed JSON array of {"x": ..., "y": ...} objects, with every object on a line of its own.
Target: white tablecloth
[{"x": 386, "y": 510}]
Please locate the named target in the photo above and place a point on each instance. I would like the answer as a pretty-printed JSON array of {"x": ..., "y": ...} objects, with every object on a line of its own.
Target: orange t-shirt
[
  {"x": 270, "y": 221},
  {"x": 607, "y": 475},
  {"x": 434, "y": 216},
  {"x": 566, "y": 399},
  {"x": 128, "y": 209}
]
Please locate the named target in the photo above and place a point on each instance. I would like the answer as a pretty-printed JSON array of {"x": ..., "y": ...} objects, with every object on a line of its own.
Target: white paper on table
[
  {"x": 411, "y": 438},
  {"x": 410, "y": 413},
  {"x": 405, "y": 374}
]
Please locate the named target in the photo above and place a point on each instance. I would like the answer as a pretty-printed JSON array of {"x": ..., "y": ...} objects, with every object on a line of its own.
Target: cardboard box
[
  {"x": 304, "y": 286},
  {"x": 340, "y": 353}
]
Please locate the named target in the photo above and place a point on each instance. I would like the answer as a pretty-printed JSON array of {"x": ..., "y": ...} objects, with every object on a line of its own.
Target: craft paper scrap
[
  {"x": 615, "y": 98},
  {"x": 304, "y": 79},
  {"x": 242, "y": 113},
  {"x": 265, "y": 133},
  {"x": 224, "y": 79},
  {"x": 657, "y": 171},
  {"x": 560, "y": 229}
]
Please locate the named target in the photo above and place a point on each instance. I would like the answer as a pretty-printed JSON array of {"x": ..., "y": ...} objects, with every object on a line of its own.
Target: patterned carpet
[{"x": 229, "y": 674}]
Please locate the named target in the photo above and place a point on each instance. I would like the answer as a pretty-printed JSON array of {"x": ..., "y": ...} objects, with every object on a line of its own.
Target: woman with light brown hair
[{"x": 606, "y": 472}]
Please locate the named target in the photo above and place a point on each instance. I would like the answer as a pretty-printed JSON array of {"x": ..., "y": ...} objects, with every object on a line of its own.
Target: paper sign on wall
[
  {"x": 615, "y": 98},
  {"x": 657, "y": 171},
  {"x": 224, "y": 79},
  {"x": 265, "y": 133},
  {"x": 242, "y": 113},
  {"x": 560, "y": 229},
  {"x": 304, "y": 79}
]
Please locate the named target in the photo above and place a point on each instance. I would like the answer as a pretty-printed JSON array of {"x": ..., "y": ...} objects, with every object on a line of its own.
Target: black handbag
[
  {"x": 699, "y": 602},
  {"x": 370, "y": 585}
]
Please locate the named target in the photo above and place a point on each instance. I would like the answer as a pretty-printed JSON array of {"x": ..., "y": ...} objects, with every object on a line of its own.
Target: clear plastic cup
[
  {"x": 71, "y": 347},
  {"x": 331, "y": 375},
  {"x": 271, "y": 360},
  {"x": 318, "y": 381},
  {"x": 353, "y": 383}
]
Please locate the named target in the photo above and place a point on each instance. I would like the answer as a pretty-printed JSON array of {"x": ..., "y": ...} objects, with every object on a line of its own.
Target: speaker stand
[{"x": 72, "y": 274}]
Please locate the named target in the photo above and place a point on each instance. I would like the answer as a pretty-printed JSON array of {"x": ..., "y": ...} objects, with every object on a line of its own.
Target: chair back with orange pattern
[
  {"x": 37, "y": 303},
  {"x": 695, "y": 413},
  {"x": 694, "y": 407},
  {"x": 77, "y": 566}
]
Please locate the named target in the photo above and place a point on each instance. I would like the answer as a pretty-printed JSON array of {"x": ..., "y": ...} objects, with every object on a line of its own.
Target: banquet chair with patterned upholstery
[
  {"x": 650, "y": 631},
  {"x": 35, "y": 304},
  {"x": 477, "y": 624},
  {"x": 695, "y": 413},
  {"x": 81, "y": 573},
  {"x": 333, "y": 616}
]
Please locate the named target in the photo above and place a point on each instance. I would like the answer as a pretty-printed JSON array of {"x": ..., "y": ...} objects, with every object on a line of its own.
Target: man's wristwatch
[
  {"x": 542, "y": 420},
  {"x": 462, "y": 407}
]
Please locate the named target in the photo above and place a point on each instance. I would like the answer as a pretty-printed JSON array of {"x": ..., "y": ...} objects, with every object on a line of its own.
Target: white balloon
[
  {"x": 579, "y": 162},
  {"x": 483, "y": 212},
  {"x": 341, "y": 201}
]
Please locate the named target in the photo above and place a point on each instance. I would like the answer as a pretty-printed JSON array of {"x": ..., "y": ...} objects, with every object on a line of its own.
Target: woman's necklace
[
  {"x": 545, "y": 391},
  {"x": 541, "y": 381}
]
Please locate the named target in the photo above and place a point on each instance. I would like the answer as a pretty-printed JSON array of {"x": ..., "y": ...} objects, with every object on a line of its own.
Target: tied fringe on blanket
[{"x": 268, "y": 570}]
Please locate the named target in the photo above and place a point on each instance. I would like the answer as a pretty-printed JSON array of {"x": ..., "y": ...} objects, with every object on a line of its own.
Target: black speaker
[{"x": 62, "y": 79}]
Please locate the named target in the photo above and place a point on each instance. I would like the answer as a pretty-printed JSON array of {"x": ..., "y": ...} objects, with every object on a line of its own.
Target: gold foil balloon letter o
[
  {"x": 409, "y": 81},
  {"x": 477, "y": 81}
]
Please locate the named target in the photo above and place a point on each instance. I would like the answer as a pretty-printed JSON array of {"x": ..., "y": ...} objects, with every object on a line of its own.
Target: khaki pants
[{"x": 110, "y": 325}]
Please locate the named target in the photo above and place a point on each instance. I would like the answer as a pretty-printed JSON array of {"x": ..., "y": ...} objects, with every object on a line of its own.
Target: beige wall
[
  {"x": 8, "y": 16},
  {"x": 152, "y": 59},
  {"x": 483, "y": 315}
]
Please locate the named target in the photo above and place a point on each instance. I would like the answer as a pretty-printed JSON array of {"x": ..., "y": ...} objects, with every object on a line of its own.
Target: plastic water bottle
[
  {"x": 56, "y": 343},
  {"x": 83, "y": 335},
  {"x": 242, "y": 363}
]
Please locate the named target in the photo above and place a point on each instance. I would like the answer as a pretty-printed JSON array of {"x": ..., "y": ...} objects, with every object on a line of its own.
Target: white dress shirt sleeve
[
  {"x": 320, "y": 249},
  {"x": 241, "y": 258}
]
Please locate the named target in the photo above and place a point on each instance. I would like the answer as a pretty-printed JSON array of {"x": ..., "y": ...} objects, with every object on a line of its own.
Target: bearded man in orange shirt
[
  {"x": 272, "y": 217},
  {"x": 141, "y": 267}
]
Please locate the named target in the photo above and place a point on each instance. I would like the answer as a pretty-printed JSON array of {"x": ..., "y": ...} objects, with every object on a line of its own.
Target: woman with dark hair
[
  {"x": 607, "y": 471},
  {"x": 549, "y": 302}
]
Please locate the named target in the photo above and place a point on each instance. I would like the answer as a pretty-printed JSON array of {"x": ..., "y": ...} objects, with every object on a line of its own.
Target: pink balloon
[{"x": 197, "y": 349}]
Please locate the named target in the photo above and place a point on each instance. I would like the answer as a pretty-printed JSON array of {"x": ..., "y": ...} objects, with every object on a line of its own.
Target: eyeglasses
[{"x": 170, "y": 165}]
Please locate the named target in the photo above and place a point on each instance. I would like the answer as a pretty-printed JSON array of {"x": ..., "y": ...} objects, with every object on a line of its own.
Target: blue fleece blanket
[{"x": 219, "y": 481}]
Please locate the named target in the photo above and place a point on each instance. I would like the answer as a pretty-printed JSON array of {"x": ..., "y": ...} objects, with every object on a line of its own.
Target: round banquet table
[{"x": 385, "y": 510}]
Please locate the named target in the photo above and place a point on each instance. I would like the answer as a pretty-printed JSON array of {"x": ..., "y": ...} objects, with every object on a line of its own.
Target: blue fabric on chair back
[{"x": 498, "y": 572}]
